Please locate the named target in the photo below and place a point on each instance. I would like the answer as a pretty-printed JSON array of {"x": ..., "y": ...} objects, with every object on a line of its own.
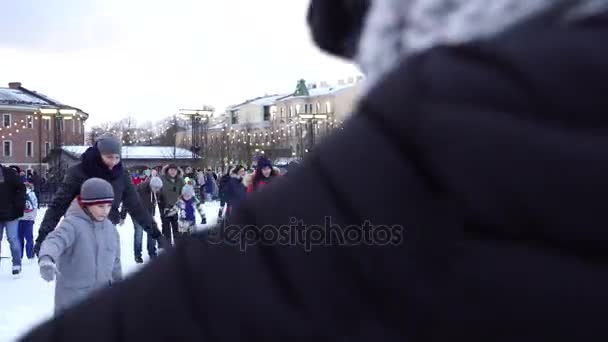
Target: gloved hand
[
  {"x": 48, "y": 269},
  {"x": 154, "y": 232}
]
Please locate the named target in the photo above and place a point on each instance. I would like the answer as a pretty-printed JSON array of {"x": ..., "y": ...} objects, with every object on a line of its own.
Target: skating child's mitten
[{"x": 48, "y": 269}]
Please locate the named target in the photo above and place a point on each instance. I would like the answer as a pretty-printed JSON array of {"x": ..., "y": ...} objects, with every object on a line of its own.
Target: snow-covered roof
[
  {"x": 23, "y": 97},
  {"x": 267, "y": 100},
  {"x": 139, "y": 152},
  {"x": 17, "y": 97},
  {"x": 313, "y": 92},
  {"x": 284, "y": 161}
]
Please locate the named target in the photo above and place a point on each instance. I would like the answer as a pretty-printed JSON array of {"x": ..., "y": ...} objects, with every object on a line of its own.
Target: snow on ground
[{"x": 28, "y": 300}]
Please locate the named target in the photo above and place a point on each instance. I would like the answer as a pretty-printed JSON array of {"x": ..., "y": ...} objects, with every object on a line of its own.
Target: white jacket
[{"x": 31, "y": 206}]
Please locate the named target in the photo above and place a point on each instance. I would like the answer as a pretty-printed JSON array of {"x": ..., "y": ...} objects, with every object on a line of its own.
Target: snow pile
[{"x": 27, "y": 300}]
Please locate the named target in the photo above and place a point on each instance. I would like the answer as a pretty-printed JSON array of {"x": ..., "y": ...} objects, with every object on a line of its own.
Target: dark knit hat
[
  {"x": 262, "y": 163},
  {"x": 108, "y": 143},
  {"x": 172, "y": 166},
  {"x": 96, "y": 191}
]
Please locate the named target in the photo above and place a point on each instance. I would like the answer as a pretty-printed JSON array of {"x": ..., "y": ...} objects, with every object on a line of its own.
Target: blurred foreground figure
[{"x": 489, "y": 118}]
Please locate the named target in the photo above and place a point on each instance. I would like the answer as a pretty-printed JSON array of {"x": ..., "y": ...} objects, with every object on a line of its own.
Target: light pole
[
  {"x": 196, "y": 116},
  {"x": 312, "y": 119}
]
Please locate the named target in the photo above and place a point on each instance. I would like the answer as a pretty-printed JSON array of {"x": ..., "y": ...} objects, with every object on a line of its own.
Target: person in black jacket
[
  {"x": 489, "y": 117},
  {"x": 235, "y": 190},
  {"x": 12, "y": 206},
  {"x": 100, "y": 161},
  {"x": 151, "y": 196},
  {"x": 222, "y": 186}
]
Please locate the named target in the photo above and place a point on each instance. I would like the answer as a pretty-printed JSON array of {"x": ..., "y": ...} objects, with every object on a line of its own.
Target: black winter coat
[
  {"x": 222, "y": 186},
  {"x": 235, "y": 192},
  {"x": 124, "y": 191},
  {"x": 12, "y": 195},
  {"x": 498, "y": 155}
]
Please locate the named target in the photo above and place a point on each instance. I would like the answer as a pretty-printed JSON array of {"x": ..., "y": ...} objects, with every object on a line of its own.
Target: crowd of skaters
[{"x": 96, "y": 195}]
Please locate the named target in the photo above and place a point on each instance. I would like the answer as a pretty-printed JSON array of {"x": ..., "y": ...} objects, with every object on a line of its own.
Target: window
[
  {"x": 47, "y": 124},
  {"x": 29, "y": 149},
  {"x": 47, "y": 148},
  {"x": 318, "y": 108},
  {"x": 7, "y": 148},
  {"x": 234, "y": 116},
  {"x": 266, "y": 113},
  {"x": 73, "y": 125},
  {"x": 6, "y": 120},
  {"x": 60, "y": 123},
  {"x": 328, "y": 107},
  {"x": 77, "y": 126},
  {"x": 30, "y": 121}
]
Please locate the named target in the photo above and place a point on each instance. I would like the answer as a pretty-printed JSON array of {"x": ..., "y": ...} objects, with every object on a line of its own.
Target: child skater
[
  {"x": 185, "y": 208},
  {"x": 26, "y": 223},
  {"x": 84, "y": 251}
]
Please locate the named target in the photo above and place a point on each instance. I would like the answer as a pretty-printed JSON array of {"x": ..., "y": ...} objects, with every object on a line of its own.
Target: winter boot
[
  {"x": 219, "y": 214},
  {"x": 16, "y": 269},
  {"x": 139, "y": 260}
]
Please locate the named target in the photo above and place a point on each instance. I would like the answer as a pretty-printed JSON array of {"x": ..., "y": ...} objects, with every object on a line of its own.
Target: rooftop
[
  {"x": 17, "y": 96},
  {"x": 138, "y": 152},
  {"x": 266, "y": 100}
]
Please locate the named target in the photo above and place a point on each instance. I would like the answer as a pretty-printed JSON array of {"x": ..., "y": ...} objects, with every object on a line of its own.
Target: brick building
[{"x": 32, "y": 125}]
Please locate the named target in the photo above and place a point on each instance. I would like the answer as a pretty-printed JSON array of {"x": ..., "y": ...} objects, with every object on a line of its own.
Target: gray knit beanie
[
  {"x": 188, "y": 190},
  {"x": 156, "y": 183},
  {"x": 96, "y": 191},
  {"x": 108, "y": 143}
]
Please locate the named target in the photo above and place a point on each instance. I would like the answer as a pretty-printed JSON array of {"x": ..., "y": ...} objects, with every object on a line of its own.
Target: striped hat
[{"x": 96, "y": 191}]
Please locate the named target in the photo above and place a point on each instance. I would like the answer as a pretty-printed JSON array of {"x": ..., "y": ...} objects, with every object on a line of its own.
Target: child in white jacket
[
  {"x": 26, "y": 222},
  {"x": 185, "y": 209},
  {"x": 84, "y": 250}
]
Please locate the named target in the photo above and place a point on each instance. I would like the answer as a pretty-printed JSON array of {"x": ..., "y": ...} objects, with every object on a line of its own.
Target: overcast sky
[{"x": 149, "y": 58}]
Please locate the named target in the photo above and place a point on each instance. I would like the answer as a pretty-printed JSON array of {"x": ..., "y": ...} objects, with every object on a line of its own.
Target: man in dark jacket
[
  {"x": 151, "y": 196},
  {"x": 235, "y": 190},
  {"x": 489, "y": 117},
  {"x": 12, "y": 205},
  {"x": 100, "y": 161},
  {"x": 222, "y": 191}
]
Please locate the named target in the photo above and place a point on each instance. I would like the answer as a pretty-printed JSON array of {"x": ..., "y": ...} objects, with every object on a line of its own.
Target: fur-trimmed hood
[
  {"x": 180, "y": 172},
  {"x": 250, "y": 178},
  {"x": 378, "y": 34}
]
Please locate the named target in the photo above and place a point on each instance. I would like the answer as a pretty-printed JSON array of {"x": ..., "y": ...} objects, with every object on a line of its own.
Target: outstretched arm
[{"x": 58, "y": 241}]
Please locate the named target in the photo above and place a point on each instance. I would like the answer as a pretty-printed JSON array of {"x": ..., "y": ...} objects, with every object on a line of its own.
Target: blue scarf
[{"x": 190, "y": 210}]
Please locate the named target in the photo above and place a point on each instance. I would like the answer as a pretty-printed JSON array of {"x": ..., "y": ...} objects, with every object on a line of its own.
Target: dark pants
[
  {"x": 26, "y": 237},
  {"x": 170, "y": 226},
  {"x": 138, "y": 241}
]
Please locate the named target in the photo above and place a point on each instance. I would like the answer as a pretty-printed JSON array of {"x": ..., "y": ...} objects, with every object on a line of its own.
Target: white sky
[{"x": 149, "y": 58}]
